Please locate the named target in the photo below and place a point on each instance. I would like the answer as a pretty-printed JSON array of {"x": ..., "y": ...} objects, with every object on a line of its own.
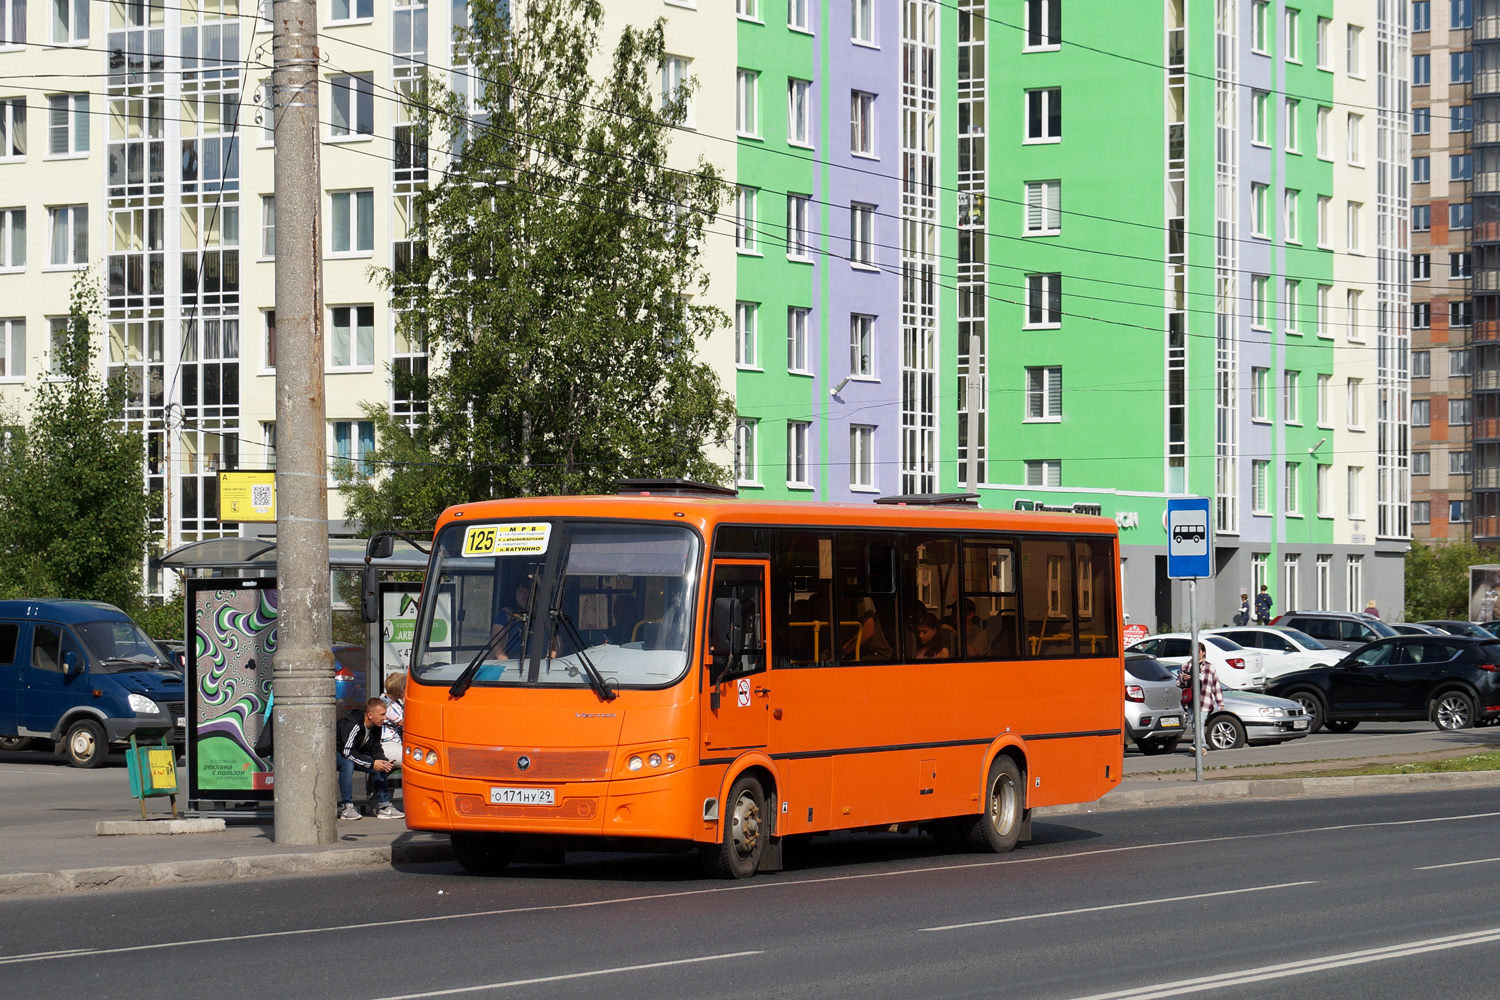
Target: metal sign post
[{"x": 1190, "y": 557}]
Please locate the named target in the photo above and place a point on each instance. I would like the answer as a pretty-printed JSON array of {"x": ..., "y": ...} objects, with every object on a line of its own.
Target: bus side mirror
[
  {"x": 381, "y": 546},
  {"x": 726, "y": 636},
  {"x": 72, "y": 666},
  {"x": 369, "y": 603}
]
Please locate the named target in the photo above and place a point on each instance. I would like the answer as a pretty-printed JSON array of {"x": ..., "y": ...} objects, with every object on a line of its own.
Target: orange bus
[{"x": 674, "y": 668}]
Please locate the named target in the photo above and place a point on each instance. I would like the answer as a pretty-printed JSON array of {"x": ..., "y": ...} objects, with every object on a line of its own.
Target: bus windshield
[{"x": 530, "y": 595}]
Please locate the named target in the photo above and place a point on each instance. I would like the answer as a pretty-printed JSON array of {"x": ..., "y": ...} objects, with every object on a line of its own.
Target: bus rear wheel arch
[{"x": 745, "y": 830}]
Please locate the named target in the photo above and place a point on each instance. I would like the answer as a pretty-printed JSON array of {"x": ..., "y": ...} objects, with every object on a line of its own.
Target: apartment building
[{"x": 1167, "y": 247}]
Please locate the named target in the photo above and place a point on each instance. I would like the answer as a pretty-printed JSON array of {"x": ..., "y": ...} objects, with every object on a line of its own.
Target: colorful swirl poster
[{"x": 231, "y": 640}]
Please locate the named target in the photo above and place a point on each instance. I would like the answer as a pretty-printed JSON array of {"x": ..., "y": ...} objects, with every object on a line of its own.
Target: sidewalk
[{"x": 48, "y": 842}]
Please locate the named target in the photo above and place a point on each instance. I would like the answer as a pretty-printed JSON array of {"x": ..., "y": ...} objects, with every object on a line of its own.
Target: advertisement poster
[
  {"x": 232, "y": 640},
  {"x": 398, "y": 624}
]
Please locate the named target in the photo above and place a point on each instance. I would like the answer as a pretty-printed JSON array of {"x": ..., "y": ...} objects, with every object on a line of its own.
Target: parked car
[
  {"x": 1412, "y": 628},
  {"x": 1154, "y": 718},
  {"x": 1257, "y": 719},
  {"x": 84, "y": 676},
  {"x": 1461, "y": 628},
  {"x": 1452, "y": 680},
  {"x": 1237, "y": 666},
  {"x": 1336, "y": 629},
  {"x": 1296, "y": 649}
]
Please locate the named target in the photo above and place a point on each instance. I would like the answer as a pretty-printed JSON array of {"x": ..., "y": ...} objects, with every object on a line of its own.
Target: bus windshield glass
[{"x": 531, "y": 595}]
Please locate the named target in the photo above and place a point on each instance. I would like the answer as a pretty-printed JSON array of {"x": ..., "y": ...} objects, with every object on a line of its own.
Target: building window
[
  {"x": 1260, "y": 118},
  {"x": 1461, "y": 314},
  {"x": 1354, "y": 50},
  {"x": 1461, "y": 167},
  {"x": 1043, "y": 25},
  {"x": 1461, "y": 118},
  {"x": 746, "y": 114},
  {"x": 1325, "y": 209},
  {"x": 1421, "y": 218},
  {"x": 1421, "y": 15},
  {"x": 1260, "y": 481},
  {"x": 1356, "y": 498},
  {"x": 1461, "y": 67},
  {"x": 1259, "y": 306},
  {"x": 861, "y": 456},
  {"x": 1293, "y": 123},
  {"x": 13, "y": 128},
  {"x": 862, "y": 233},
  {"x": 1421, "y": 510},
  {"x": 1458, "y": 512},
  {"x": 798, "y": 207},
  {"x": 797, "y": 15},
  {"x": 1292, "y": 306},
  {"x": 70, "y": 21},
  {"x": 1291, "y": 202},
  {"x": 1323, "y": 329},
  {"x": 799, "y": 112},
  {"x": 745, "y": 471},
  {"x": 744, "y": 218},
  {"x": 862, "y": 346},
  {"x": 268, "y": 226},
  {"x": 1044, "y": 393},
  {"x": 12, "y": 238},
  {"x": 1292, "y": 35},
  {"x": 269, "y": 342},
  {"x": 353, "y": 10},
  {"x": 1460, "y": 215},
  {"x": 1459, "y": 463},
  {"x": 1325, "y": 55},
  {"x": 1421, "y": 413},
  {"x": 1258, "y": 221},
  {"x": 796, "y": 340},
  {"x": 353, "y": 447},
  {"x": 1325, "y": 383},
  {"x": 1421, "y": 463},
  {"x": 1351, "y": 312},
  {"x": 1043, "y": 208},
  {"x": 12, "y": 348},
  {"x": 1292, "y": 488},
  {"x": 1421, "y": 266},
  {"x": 1352, "y": 210},
  {"x": 1044, "y": 115},
  {"x": 1421, "y": 319},
  {"x": 67, "y": 124},
  {"x": 1458, "y": 412},
  {"x": 1421, "y": 71},
  {"x": 70, "y": 235},
  {"x": 1260, "y": 13},
  {"x": 1461, "y": 265},
  {"x": 797, "y": 434},
  {"x": 1421, "y": 121},
  {"x": 353, "y": 109},
  {"x": 1324, "y": 145},
  {"x": 1260, "y": 394},
  {"x": 1354, "y": 582},
  {"x": 1325, "y": 491},
  {"x": 1356, "y": 125},
  {"x": 862, "y": 29},
  {"x": 674, "y": 86},
  {"x": 353, "y": 221},
  {"x": 1421, "y": 170},
  {"x": 1462, "y": 15},
  {"x": 748, "y": 9},
  {"x": 1044, "y": 473},
  {"x": 1043, "y": 300},
  {"x": 352, "y": 343},
  {"x": 1459, "y": 363},
  {"x": 1421, "y": 364},
  {"x": 1291, "y": 390},
  {"x": 745, "y": 353},
  {"x": 1353, "y": 390},
  {"x": 861, "y": 123}
]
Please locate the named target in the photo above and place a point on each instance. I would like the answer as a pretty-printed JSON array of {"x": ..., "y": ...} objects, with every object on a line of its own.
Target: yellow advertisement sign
[
  {"x": 247, "y": 496},
  {"x": 163, "y": 770}
]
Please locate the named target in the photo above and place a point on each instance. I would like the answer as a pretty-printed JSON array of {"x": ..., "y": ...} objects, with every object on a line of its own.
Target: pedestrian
[
  {"x": 359, "y": 749},
  {"x": 1370, "y": 608},
  {"x": 1210, "y": 694},
  {"x": 1243, "y": 617},
  {"x": 395, "y": 702},
  {"x": 1262, "y": 607}
]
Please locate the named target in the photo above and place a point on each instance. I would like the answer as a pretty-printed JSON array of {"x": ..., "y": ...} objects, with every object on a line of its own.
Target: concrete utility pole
[
  {"x": 306, "y": 780},
  {"x": 973, "y": 389}
]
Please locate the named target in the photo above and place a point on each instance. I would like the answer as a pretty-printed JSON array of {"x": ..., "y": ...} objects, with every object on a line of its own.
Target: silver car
[
  {"x": 1154, "y": 716},
  {"x": 1257, "y": 719}
]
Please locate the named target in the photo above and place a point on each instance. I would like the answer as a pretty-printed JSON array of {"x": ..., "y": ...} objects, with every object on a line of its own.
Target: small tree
[
  {"x": 73, "y": 506},
  {"x": 556, "y": 296},
  {"x": 1437, "y": 579}
]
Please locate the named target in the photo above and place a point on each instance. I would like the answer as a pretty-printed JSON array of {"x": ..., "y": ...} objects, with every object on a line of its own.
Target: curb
[
  {"x": 147, "y": 827},
  {"x": 1275, "y": 788},
  {"x": 222, "y": 869}
]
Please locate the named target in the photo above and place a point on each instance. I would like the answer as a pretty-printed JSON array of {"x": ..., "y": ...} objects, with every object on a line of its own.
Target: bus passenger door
[{"x": 742, "y": 716}]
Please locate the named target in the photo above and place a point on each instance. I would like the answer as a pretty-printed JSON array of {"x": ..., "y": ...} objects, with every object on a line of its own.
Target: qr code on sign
[{"x": 261, "y": 496}]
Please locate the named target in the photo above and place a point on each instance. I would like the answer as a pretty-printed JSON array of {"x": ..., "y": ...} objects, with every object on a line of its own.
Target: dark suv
[
  {"x": 1451, "y": 679},
  {"x": 1336, "y": 629}
]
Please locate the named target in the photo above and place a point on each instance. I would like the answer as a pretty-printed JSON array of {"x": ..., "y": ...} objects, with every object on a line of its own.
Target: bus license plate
[
  {"x": 1170, "y": 722},
  {"x": 523, "y": 796}
]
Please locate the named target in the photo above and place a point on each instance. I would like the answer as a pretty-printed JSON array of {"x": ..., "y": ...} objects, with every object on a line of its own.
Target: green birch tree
[{"x": 556, "y": 293}]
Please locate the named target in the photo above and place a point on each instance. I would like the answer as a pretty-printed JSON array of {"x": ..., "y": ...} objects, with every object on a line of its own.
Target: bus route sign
[{"x": 1189, "y": 539}]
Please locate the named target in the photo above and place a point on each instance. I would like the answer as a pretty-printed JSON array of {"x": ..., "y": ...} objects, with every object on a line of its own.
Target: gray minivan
[{"x": 84, "y": 676}]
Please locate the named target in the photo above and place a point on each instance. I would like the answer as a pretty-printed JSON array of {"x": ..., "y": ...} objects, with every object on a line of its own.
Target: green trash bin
[{"x": 153, "y": 773}]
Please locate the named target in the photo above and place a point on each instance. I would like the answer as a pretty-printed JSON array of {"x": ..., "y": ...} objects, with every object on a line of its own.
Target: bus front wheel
[
  {"x": 482, "y": 853},
  {"x": 743, "y": 841},
  {"x": 999, "y": 827}
]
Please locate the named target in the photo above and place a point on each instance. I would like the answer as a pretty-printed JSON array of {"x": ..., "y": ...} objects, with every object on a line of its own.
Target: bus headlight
[
  {"x": 654, "y": 760},
  {"x": 634, "y": 764}
]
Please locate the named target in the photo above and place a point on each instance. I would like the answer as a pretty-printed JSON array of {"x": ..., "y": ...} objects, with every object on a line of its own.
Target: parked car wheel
[
  {"x": 1313, "y": 705},
  {"x": 1341, "y": 725},
  {"x": 15, "y": 742},
  {"x": 85, "y": 745},
  {"x": 1153, "y": 747},
  {"x": 1453, "y": 710},
  {"x": 1225, "y": 732}
]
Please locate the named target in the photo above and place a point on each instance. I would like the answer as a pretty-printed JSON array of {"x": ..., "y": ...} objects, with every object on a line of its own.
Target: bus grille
[
  {"x": 544, "y": 765},
  {"x": 473, "y": 805}
]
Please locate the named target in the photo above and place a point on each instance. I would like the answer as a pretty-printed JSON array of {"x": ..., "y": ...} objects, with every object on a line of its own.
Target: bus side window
[
  {"x": 1047, "y": 596},
  {"x": 930, "y": 588},
  {"x": 802, "y": 627},
  {"x": 866, "y": 573},
  {"x": 994, "y": 630},
  {"x": 1094, "y": 563}
]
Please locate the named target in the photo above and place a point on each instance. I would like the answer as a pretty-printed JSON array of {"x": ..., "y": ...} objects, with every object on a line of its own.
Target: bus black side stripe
[{"x": 847, "y": 751}]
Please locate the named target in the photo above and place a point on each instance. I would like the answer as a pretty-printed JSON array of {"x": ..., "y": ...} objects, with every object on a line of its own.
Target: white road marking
[
  {"x": 571, "y": 975},
  {"x": 1455, "y": 864},
  {"x": 1302, "y": 968},
  {"x": 1116, "y": 906},
  {"x": 744, "y": 887}
]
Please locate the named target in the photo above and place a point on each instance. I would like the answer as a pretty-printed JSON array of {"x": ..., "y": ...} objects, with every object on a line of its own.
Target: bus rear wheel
[
  {"x": 745, "y": 827},
  {"x": 999, "y": 827},
  {"x": 482, "y": 853}
]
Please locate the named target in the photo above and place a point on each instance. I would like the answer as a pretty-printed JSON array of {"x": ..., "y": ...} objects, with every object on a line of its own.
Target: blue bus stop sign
[{"x": 1189, "y": 539}]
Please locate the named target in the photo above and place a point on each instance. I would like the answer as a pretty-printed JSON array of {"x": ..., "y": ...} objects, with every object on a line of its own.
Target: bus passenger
[
  {"x": 626, "y": 615},
  {"x": 869, "y": 643},
  {"x": 932, "y": 643},
  {"x": 974, "y": 631}
]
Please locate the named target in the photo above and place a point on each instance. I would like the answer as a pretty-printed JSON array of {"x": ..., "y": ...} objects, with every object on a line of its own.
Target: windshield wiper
[
  {"x": 595, "y": 678},
  {"x": 462, "y": 682}
]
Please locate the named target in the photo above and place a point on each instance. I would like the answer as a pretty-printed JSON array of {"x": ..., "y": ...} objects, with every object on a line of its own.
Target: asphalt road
[{"x": 1379, "y": 897}]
